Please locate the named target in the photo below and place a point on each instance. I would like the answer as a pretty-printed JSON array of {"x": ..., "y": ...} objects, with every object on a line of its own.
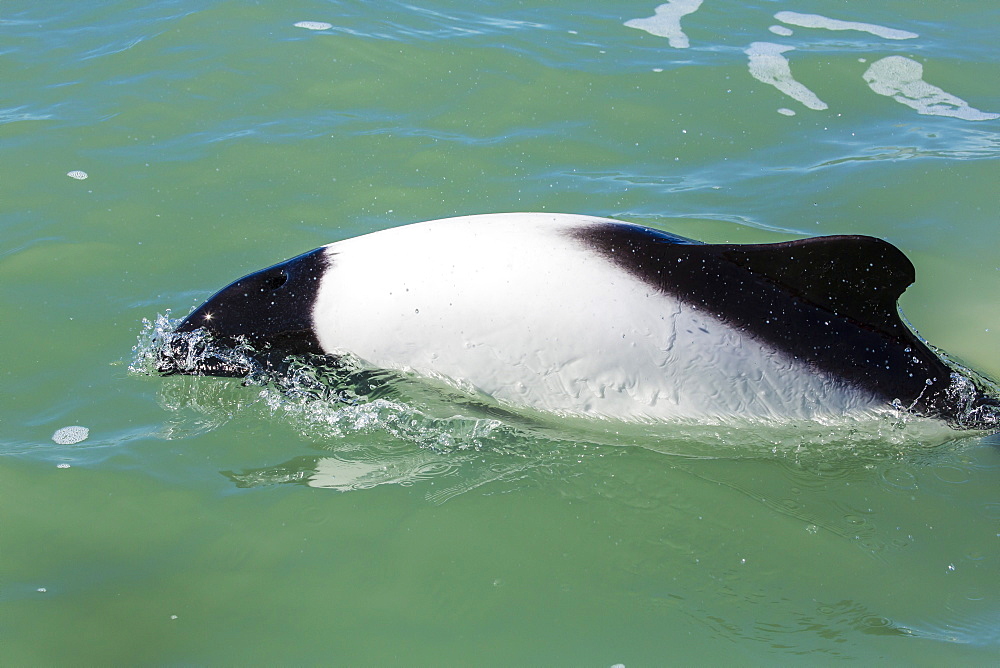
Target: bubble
[{"x": 71, "y": 435}]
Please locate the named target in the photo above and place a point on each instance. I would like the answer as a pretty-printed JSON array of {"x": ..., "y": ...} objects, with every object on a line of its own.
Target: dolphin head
[{"x": 265, "y": 316}]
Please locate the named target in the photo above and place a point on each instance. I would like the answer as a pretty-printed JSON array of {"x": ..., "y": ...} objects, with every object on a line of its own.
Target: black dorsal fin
[
  {"x": 829, "y": 302},
  {"x": 856, "y": 277}
]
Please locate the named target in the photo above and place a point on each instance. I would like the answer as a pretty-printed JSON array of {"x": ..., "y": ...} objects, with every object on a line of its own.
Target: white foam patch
[
  {"x": 902, "y": 79},
  {"x": 784, "y": 111},
  {"x": 71, "y": 435},
  {"x": 817, "y": 21},
  {"x": 666, "y": 21},
  {"x": 768, "y": 65},
  {"x": 77, "y": 174},
  {"x": 314, "y": 25},
  {"x": 781, "y": 30}
]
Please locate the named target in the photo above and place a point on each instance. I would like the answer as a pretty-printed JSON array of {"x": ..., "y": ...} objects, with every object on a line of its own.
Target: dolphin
[{"x": 587, "y": 316}]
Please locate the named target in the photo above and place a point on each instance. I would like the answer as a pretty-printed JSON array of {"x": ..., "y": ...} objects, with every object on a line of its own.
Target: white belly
[{"x": 511, "y": 306}]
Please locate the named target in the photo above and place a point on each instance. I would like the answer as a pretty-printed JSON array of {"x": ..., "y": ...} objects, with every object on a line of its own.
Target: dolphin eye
[{"x": 275, "y": 281}]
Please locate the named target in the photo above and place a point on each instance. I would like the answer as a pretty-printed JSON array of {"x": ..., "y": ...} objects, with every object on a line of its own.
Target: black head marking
[{"x": 269, "y": 310}]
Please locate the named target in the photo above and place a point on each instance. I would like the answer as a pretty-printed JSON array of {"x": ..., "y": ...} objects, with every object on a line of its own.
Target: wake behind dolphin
[{"x": 586, "y": 316}]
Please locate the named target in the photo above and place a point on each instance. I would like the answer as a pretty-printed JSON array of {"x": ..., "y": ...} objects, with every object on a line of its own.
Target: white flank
[{"x": 514, "y": 306}]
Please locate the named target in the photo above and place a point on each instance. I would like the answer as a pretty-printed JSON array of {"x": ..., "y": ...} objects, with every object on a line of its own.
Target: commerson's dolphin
[{"x": 580, "y": 315}]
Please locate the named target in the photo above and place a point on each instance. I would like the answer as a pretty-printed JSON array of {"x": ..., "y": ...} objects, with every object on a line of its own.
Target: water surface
[{"x": 154, "y": 152}]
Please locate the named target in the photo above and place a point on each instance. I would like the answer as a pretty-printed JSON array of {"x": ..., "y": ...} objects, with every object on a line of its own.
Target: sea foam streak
[{"x": 666, "y": 22}]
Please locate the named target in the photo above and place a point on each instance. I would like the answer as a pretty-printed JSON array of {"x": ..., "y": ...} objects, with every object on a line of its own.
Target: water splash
[{"x": 338, "y": 400}]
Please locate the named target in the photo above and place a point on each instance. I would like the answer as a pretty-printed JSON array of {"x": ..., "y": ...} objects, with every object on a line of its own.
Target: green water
[{"x": 204, "y": 522}]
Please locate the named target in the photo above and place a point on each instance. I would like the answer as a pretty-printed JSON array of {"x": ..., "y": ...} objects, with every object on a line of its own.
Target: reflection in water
[
  {"x": 344, "y": 473},
  {"x": 449, "y": 474}
]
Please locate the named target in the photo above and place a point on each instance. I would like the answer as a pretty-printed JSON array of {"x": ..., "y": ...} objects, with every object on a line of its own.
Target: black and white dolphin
[{"x": 590, "y": 316}]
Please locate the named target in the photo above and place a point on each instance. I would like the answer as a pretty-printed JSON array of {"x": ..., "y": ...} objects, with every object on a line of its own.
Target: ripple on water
[
  {"x": 955, "y": 475},
  {"x": 898, "y": 477}
]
